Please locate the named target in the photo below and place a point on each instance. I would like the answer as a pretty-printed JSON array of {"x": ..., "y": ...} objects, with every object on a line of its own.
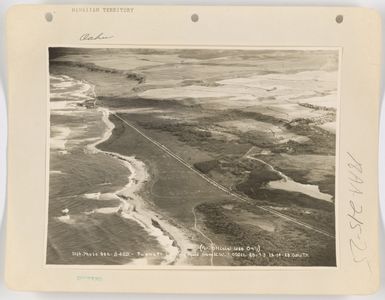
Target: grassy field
[
  {"x": 184, "y": 113},
  {"x": 176, "y": 191},
  {"x": 247, "y": 225}
]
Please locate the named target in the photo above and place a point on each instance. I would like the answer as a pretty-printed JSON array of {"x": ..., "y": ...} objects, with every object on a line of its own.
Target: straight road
[{"x": 221, "y": 187}]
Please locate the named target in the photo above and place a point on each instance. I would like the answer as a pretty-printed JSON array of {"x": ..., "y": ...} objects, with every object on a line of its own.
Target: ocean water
[
  {"x": 107, "y": 222},
  {"x": 89, "y": 218}
]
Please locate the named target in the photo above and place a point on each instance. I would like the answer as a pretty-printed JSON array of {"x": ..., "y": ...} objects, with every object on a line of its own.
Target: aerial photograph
[{"x": 192, "y": 157}]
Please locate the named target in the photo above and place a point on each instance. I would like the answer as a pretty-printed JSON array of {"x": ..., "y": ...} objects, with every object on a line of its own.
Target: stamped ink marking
[
  {"x": 357, "y": 242},
  {"x": 89, "y": 278}
]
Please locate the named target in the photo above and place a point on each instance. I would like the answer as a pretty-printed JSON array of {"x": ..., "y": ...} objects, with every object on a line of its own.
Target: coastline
[
  {"x": 200, "y": 136},
  {"x": 133, "y": 206}
]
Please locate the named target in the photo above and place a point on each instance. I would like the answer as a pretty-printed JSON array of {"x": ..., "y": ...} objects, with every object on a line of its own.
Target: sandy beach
[
  {"x": 134, "y": 207},
  {"x": 190, "y": 150}
]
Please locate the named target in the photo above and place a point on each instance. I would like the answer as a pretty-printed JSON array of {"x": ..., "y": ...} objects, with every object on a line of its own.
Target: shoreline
[
  {"x": 133, "y": 207},
  {"x": 198, "y": 131}
]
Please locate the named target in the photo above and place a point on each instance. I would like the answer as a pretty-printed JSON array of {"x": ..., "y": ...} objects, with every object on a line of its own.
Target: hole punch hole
[
  {"x": 339, "y": 19},
  {"x": 194, "y": 18},
  {"x": 48, "y": 17}
]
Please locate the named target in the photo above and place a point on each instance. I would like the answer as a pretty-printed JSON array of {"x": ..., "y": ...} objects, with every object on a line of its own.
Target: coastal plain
[{"x": 239, "y": 145}]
